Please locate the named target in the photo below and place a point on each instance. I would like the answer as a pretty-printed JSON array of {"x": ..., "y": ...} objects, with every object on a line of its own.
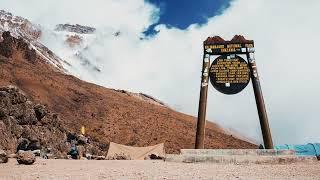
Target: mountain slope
[
  {"x": 107, "y": 114},
  {"x": 20, "y": 27}
]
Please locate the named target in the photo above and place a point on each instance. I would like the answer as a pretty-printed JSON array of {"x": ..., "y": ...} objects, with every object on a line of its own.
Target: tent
[
  {"x": 116, "y": 151},
  {"x": 310, "y": 149}
]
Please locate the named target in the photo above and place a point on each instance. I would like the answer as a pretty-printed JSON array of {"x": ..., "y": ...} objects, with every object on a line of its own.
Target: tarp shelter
[
  {"x": 311, "y": 149},
  {"x": 135, "y": 153}
]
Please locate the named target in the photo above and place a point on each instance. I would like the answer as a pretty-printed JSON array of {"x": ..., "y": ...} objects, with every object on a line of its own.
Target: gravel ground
[{"x": 84, "y": 169}]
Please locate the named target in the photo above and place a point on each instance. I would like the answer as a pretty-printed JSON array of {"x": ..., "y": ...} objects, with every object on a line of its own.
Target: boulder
[
  {"x": 23, "y": 112},
  {"x": 26, "y": 157},
  {"x": 40, "y": 111},
  {"x": 3, "y": 157}
]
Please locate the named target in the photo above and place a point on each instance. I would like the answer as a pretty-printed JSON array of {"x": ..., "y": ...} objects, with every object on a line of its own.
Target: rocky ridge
[{"x": 75, "y": 28}]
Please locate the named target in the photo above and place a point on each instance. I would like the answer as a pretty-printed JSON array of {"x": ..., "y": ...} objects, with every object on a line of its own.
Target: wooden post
[
  {"x": 201, "y": 123},
  {"x": 265, "y": 129}
]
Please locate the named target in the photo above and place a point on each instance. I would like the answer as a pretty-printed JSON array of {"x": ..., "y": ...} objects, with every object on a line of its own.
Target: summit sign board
[
  {"x": 230, "y": 73},
  {"x": 217, "y": 46}
]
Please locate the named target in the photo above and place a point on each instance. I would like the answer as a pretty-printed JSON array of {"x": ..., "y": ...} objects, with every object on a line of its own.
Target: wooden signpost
[{"x": 230, "y": 74}]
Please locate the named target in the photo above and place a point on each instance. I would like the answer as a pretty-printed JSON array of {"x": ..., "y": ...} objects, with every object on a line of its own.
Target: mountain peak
[
  {"x": 19, "y": 26},
  {"x": 77, "y": 28}
]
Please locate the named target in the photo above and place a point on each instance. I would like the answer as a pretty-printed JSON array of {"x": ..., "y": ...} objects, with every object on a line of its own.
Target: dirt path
[{"x": 84, "y": 169}]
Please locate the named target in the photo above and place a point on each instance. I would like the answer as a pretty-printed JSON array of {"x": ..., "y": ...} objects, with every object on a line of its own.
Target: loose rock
[
  {"x": 40, "y": 111},
  {"x": 155, "y": 156},
  {"x": 3, "y": 157},
  {"x": 26, "y": 157}
]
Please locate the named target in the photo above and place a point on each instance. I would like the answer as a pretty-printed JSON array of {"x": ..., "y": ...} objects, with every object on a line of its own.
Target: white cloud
[
  {"x": 168, "y": 65},
  {"x": 135, "y": 15}
]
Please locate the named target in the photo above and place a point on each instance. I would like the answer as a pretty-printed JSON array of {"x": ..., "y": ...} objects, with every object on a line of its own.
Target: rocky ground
[
  {"x": 84, "y": 169},
  {"x": 27, "y": 126}
]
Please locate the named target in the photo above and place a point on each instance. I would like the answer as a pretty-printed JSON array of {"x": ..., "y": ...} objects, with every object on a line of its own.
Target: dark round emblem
[{"x": 229, "y": 74}]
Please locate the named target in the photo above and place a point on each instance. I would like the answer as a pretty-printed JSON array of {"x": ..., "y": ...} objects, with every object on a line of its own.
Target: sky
[
  {"x": 160, "y": 53},
  {"x": 182, "y": 13}
]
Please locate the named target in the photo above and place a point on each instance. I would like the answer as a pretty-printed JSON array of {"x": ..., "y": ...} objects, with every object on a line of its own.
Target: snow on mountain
[
  {"x": 70, "y": 51},
  {"x": 73, "y": 43},
  {"x": 70, "y": 48},
  {"x": 20, "y": 27},
  {"x": 81, "y": 47}
]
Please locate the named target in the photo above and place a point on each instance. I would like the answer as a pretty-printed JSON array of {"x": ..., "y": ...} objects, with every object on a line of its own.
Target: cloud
[
  {"x": 135, "y": 15},
  {"x": 168, "y": 65}
]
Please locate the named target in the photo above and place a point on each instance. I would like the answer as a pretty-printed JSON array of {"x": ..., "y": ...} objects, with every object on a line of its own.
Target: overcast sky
[{"x": 167, "y": 64}]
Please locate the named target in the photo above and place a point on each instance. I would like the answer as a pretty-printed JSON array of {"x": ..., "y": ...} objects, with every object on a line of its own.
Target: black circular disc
[{"x": 229, "y": 74}]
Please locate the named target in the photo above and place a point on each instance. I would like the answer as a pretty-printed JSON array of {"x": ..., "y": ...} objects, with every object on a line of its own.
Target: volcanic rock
[
  {"x": 26, "y": 157},
  {"x": 75, "y": 28},
  {"x": 3, "y": 157},
  {"x": 25, "y": 126},
  {"x": 155, "y": 156},
  {"x": 9, "y": 44},
  {"x": 40, "y": 111},
  {"x": 6, "y": 45}
]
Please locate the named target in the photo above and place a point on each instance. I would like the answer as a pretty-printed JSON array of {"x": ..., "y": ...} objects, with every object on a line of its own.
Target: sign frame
[{"x": 237, "y": 45}]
